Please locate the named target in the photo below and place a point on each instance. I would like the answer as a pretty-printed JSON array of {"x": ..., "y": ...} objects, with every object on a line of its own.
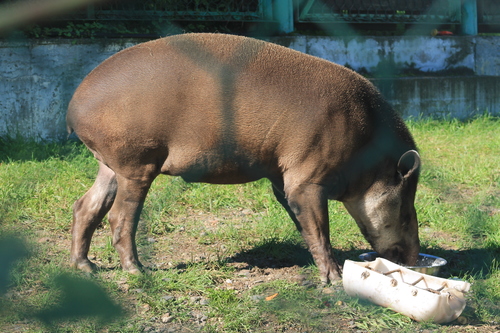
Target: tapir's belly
[{"x": 219, "y": 165}]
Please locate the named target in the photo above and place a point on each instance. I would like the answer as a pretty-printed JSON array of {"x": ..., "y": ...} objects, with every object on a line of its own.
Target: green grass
[{"x": 198, "y": 238}]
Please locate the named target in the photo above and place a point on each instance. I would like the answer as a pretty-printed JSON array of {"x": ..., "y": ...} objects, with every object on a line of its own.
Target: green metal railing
[
  {"x": 209, "y": 10},
  {"x": 380, "y": 11},
  {"x": 467, "y": 13}
]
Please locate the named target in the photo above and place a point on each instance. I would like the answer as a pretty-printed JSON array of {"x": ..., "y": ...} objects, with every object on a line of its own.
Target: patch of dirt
[{"x": 190, "y": 242}]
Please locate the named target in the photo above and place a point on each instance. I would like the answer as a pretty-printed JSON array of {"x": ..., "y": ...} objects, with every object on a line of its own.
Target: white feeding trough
[{"x": 419, "y": 296}]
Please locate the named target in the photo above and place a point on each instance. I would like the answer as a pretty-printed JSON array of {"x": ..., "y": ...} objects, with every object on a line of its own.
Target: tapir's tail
[{"x": 69, "y": 125}]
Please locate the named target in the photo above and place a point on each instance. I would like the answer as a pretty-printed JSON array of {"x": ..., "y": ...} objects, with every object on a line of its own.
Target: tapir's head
[{"x": 385, "y": 211}]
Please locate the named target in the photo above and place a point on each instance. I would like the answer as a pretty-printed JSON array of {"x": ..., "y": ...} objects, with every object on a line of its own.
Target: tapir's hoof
[
  {"x": 133, "y": 269},
  {"x": 85, "y": 266},
  {"x": 333, "y": 277},
  {"x": 331, "y": 280}
]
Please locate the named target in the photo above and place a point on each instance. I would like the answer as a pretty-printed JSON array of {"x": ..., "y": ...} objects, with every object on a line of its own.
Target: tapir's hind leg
[
  {"x": 307, "y": 205},
  {"x": 124, "y": 217},
  {"x": 88, "y": 212}
]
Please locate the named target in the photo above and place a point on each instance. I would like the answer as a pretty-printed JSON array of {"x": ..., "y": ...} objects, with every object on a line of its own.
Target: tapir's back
[{"x": 214, "y": 72}]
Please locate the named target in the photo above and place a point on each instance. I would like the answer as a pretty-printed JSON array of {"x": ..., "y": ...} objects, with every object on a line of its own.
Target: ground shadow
[
  {"x": 474, "y": 262},
  {"x": 274, "y": 253}
]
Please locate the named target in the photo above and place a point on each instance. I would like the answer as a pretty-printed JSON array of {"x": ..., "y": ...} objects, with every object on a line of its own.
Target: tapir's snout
[{"x": 402, "y": 254}]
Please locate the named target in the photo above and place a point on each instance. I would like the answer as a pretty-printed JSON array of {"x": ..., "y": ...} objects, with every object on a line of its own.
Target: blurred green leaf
[
  {"x": 12, "y": 249},
  {"x": 80, "y": 298}
]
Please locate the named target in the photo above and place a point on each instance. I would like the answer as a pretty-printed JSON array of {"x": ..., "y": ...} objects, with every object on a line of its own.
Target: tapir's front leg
[{"x": 307, "y": 205}]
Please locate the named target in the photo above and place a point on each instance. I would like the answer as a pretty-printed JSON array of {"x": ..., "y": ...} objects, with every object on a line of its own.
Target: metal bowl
[{"x": 426, "y": 263}]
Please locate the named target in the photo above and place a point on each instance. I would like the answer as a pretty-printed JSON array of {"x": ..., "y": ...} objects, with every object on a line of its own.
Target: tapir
[{"x": 228, "y": 109}]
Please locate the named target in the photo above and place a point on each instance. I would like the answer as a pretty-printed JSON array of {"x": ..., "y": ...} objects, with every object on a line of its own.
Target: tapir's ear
[{"x": 408, "y": 163}]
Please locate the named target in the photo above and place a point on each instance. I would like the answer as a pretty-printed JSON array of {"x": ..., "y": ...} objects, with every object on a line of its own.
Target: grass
[{"x": 216, "y": 252}]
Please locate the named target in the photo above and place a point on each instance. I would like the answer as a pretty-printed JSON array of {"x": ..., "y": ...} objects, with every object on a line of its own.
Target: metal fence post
[
  {"x": 91, "y": 12},
  {"x": 469, "y": 17},
  {"x": 283, "y": 13},
  {"x": 267, "y": 9}
]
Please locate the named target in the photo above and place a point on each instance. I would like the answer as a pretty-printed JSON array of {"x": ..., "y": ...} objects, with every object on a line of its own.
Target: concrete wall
[
  {"x": 454, "y": 76},
  {"x": 37, "y": 80},
  {"x": 375, "y": 55}
]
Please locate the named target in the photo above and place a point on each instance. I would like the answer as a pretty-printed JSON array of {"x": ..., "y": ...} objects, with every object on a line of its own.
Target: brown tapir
[{"x": 227, "y": 109}]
